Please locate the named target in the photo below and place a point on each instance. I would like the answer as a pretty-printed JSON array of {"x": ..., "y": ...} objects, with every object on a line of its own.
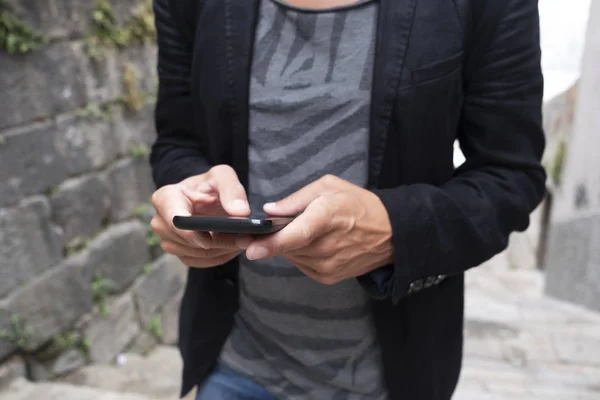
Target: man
[{"x": 344, "y": 112}]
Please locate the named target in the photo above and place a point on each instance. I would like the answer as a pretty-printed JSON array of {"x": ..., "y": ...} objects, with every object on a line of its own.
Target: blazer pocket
[{"x": 436, "y": 70}]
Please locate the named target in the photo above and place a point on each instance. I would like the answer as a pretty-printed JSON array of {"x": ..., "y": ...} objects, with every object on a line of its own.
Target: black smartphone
[{"x": 253, "y": 226}]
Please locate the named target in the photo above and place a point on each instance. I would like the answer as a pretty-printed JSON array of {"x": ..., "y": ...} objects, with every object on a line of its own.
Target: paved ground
[{"x": 519, "y": 345}]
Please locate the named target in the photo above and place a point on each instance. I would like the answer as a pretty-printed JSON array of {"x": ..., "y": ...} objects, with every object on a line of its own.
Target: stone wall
[{"x": 81, "y": 277}]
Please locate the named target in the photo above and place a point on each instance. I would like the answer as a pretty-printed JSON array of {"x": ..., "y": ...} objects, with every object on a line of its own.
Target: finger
[
  {"x": 314, "y": 275},
  {"x": 230, "y": 241},
  {"x": 167, "y": 231},
  {"x": 170, "y": 201},
  {"x": 301, "y": 232},
  {"x": 163, "y": 230},
  {"x": 208, "y": 262},
  {"x": 182, "y": 250},
  {"x": 299, "y": 201},
  {"x": 231, "y": 192}
]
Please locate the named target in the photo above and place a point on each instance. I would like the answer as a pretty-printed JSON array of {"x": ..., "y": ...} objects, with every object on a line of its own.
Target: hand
[
  {"x": 343, "y": 231},
  {"x": 215, "y": 193}
]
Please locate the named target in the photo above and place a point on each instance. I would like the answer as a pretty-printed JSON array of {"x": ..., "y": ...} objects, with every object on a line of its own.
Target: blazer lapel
[
  {"x": 240, "y": 26},
  {"x": 393, "y": 33}
]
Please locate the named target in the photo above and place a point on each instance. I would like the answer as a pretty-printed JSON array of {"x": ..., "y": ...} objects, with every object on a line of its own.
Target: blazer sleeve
[
  {"x": 178, "y": 151},
  {"x": 443, "y": 230}
]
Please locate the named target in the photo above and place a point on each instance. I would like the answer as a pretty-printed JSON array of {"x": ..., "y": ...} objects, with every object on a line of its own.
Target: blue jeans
[{"x": 226, "y": 384}]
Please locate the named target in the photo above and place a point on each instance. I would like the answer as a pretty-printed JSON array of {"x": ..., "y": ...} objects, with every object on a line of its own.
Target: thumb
[{"x": 297, "y": 202}]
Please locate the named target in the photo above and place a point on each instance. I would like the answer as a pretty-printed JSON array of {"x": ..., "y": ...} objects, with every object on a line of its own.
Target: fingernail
[
  {"x": 239, "y": 205},
  {"x": 271, "y": 206},
  {"x": 256, "y": 253},
  {"x": 243, "y": 242}
]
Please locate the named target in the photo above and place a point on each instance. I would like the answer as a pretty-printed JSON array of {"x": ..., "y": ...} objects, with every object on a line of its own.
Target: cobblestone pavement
[{"x": 519, "y": 344}]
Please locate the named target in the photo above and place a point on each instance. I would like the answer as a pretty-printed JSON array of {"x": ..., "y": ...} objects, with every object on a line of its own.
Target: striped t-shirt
[{"x": 309, "y": 117}]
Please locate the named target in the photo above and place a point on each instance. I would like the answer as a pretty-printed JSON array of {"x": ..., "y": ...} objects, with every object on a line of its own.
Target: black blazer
[{"x": 444, "y": 220}]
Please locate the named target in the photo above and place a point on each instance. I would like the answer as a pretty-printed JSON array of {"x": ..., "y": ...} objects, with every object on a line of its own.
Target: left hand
[{"x": 343, "y": 232}]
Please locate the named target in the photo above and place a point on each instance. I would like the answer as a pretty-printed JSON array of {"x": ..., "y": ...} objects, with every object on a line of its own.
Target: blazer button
[
  {"x": 439, "y": 279},
  {"x": 415, "y": 286},
  {"x": 430, "y": 281}
]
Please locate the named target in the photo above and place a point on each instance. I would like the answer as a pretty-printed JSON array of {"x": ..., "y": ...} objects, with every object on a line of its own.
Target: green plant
[
  {"x": 149, "y": 268},
  {"x": 84, "y": 346},
  {"x": 107, "y": 33},
  {"x": 139, "y": 152},
  {"x": 93, "y": 111},
  {"x": 556, "y": 168},
  {"x": 76, "y": 248},
  {"x": 51, "y": 191},
  {"x": 154, "y": 327},
  {"x": 134, "y": 99},
  {"x": 101, "y": 288},
  {"x": 68, "y": 340},
  {"x": 2, "y": 140},
  {"x": 15, "y": 35},
  {"x": 18, "y": 333},
  {"x": 143, "y": 210},
  {"x": 152, "y": 239},
  {"x": 141, "y": 27}
]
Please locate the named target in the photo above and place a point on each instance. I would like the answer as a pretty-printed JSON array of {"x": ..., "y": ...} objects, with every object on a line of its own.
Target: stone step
[
  {"x": 21, "y": 389},
  {"x": 156, "y": 375}
]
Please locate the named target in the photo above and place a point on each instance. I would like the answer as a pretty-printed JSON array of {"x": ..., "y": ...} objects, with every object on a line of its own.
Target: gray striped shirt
[{"x": 309, "y": 116}]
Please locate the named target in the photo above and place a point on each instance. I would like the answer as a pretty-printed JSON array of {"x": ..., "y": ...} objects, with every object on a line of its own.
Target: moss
[
  {"x": 149, "y": 268},
  {"x": 76, "y": 248},
  {"x": 154, "y": 327},
  {"x": 152, "y": 239},
  {"x": 139, "y": 152},
  {"x": 101, "y": 288},
  {"x": 51, "y": 191},
  {"x": 94, "y": 112},
  {"x": 18, "y": 333},
  {"x": 556, "y": 169},
  {"x": 16, "y": 37},
  {"x": 107, "y": 32},
  {"x": 134, "y": 99},
  {"x": 143, "y": 210},
  {"x": 67, "y": 341}
]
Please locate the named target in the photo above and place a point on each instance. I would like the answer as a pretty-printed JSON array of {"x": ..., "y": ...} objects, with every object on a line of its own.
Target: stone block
[
  {"x": 28, "y": 243},
  {"x": 135, "y": 129},
  {"x": 170, "y": 320},
  {"x": 52, "y": 302},
  {"x": 117, "y": 254},
  {"x": 143, "y": 344},
  {"x": 31, "y": 162},
  {"x": 154, "y": 290},
  {"x": 103, "y": 82},
  {"x": 572, "y": 261},
  {"x": 79, "y": 207},
  {"x": 109, "y": 336},
  {"x": 64, "y": 363},
  {"x": 85, "y": 145},
  {"x": 57, "y": 19},
  {"x": 130, "y": 183},
  {"x": 43, "y": 83},
  {"x": 11, "y": 369}
]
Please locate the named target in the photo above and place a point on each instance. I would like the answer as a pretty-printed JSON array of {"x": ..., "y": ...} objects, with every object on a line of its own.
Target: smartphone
[{"x": 253, "y": 226}]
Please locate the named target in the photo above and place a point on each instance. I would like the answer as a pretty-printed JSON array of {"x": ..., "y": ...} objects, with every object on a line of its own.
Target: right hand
[{"x": 215, "y": 193}]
